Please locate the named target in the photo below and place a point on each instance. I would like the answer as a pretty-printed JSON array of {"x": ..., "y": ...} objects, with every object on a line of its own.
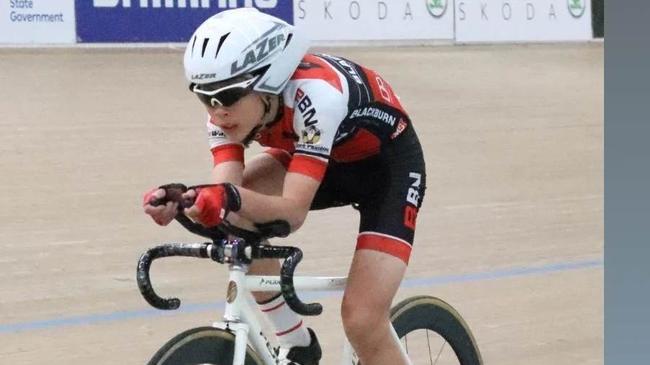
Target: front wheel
[
  {"x": 432, "y": 332},
  {"x": 202, "y": 345}
]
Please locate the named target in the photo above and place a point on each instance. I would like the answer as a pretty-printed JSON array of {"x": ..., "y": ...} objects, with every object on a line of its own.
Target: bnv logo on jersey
[{"x": 306, "y": 109}]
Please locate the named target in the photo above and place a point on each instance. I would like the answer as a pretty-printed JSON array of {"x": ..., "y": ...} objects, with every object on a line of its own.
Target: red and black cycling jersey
[
  {"x": 340, "y": 125},
  {"x": 334, "y": 109}
]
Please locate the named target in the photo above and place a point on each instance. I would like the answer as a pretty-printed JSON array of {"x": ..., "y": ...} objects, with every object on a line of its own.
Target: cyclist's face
[{"x": 239, "y": 119}]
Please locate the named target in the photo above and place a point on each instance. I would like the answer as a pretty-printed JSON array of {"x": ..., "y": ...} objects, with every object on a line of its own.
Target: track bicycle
[{"x": 430, "y": 330}]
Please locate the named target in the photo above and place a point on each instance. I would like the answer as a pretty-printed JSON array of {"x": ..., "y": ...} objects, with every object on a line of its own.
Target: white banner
[
  {"x": 522, "y": 20},
  {"x": 37, "y": 21},
  {"x": 358, "y": 20}
]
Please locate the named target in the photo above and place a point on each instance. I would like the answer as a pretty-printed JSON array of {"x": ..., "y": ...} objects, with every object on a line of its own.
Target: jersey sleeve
[
  {"x": 221, "y": 147},
  {"x": 318, "y": 111}
]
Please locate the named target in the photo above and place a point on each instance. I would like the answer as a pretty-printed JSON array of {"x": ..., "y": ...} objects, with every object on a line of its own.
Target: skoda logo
[
  {"x": 576, "y": 7},
  {"x": 436, "y": 8}
]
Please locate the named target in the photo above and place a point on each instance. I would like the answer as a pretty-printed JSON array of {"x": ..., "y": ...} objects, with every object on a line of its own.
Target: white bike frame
[{"x": 240, "y": 317}]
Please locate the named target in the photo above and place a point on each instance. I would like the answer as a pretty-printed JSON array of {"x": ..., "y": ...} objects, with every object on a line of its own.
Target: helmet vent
[
  {"x": 193, "y": 43},
  {"x": 223, "y": 38},
  {"x": 205, "y": 45},
  {"x": 288, "y": 40}
]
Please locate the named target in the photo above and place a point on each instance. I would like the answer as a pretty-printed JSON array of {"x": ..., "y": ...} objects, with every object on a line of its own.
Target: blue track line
[{"x": 214, "y": 306}]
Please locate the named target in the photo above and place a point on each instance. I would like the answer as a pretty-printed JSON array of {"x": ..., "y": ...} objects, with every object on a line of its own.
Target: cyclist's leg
[
  {"x": 387, "y": 227},
  {"x": 372, "y": 283}
]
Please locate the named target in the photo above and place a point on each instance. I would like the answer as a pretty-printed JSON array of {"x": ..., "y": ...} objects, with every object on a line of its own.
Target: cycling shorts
[{"x": 387, "y": 189}]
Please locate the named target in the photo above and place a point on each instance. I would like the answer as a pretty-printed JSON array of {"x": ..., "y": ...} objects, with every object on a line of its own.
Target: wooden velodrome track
[{"x": 511, "y": 232}]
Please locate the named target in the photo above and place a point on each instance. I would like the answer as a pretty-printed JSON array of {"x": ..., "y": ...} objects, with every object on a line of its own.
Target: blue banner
[{"x": 158, "y": 20}]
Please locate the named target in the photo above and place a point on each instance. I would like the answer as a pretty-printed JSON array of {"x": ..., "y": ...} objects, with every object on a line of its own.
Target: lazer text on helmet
[{"x": 262, "y": 50}]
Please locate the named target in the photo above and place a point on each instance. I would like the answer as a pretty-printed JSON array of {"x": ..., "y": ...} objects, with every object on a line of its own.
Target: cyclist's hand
[
  {"x": 161, "y": 214},
  {"x": 212, "y": 203}
]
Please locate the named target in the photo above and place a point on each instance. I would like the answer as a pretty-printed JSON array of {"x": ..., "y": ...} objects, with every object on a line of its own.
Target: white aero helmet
[{"x": 240, "y": 42}]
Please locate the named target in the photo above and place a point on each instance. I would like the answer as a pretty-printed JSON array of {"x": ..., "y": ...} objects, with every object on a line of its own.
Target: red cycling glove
[
  {"x": 214, "y": 202},
  {"x": 149, "y": 197}
]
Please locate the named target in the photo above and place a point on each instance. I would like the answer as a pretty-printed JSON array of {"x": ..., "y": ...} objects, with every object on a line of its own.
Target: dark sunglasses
[{"x": 226, "y": 95}]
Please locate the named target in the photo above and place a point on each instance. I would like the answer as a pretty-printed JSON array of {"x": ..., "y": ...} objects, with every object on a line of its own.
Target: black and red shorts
[{"x": 387, "y": 189}]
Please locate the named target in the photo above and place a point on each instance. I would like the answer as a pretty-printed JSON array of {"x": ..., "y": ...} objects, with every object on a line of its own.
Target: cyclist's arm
[
  {"x": 318, "y": 111},
  {"x": 228, "y": 157},
  {"x": 229, "y": 171},
  {"x": 298, "y": 192}
]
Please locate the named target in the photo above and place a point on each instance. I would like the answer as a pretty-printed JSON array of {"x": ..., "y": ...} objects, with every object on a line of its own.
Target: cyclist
[{"x": 336, "y": 135}]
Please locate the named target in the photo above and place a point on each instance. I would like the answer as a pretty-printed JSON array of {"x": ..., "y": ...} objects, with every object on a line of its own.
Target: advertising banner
[
  {"x": 37, "y": 21},
  {"x": 158, "y": 20},
  {"x": 522, "y": 20},
  {"x": 359, "y": 20}
]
